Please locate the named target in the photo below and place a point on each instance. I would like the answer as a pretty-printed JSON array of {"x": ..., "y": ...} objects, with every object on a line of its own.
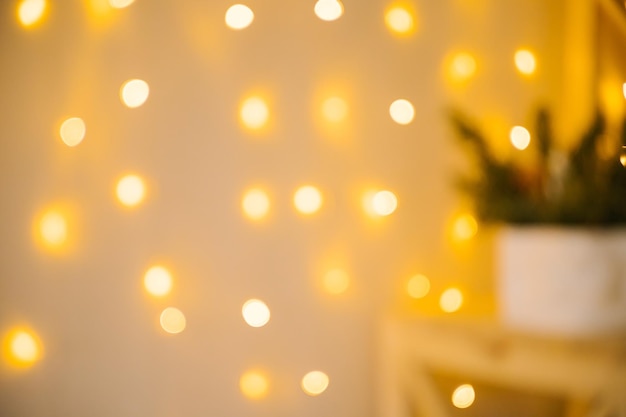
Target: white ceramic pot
[{"x": 562, "y": 281}]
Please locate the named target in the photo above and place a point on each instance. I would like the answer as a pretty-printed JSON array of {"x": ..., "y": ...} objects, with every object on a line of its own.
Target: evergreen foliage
[{"x": 582, "y": 186}]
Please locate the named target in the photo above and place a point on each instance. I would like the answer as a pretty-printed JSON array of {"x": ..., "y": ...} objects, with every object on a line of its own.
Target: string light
[
  {"x": 22, "y": 348},
  {"x": 314, "y": 383},
  {"x": 30, "y": 12},
  {"x": 418, "y": 286},
  {"x": 239, "y": 17},
  {"x": 520, "y": 137},
  {"x": 336, "y": 281},
  {"x": 158, "y": 281},
  {"x": 254, "y": 384},
  {"x": 173, "y": 320},
  {"x": 254, "y": 113},
  {"x": 72, "y": 131},
  {"x": 451, "y": 300},
  {"x": 402, "y": 111},
  {"x": 463, "y": 396},
  {"x": 307, "y": 199},
  {"x": 525, "y": 61},
  {"x": 130, "y": 190},
  {"x": 255, "y": 204},
  {"x": 255, "y": 313},
  {"x": 399, "y": 20},
  {"x": 134, "y": 93},
  {"x": 462, "y": 67}
]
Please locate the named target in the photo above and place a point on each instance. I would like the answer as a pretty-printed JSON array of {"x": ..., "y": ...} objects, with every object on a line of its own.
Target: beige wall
[{"x": 104, "y": 353}]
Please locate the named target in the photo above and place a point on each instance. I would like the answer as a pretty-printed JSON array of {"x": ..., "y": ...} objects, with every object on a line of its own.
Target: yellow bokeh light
[
  {"x": 307, "y": 199},
  {"x": 255, "y": 313},
  {"x": 254, "y": 385},
  {"x": 30, "y": 12},
  {"x": 22, "y": 348},
  {"x": 463, "y": 396},
  {"x": 314, "y": 383},
  {"x": 464, "y": 227},
  {"x": 334, "y": 109},
  {"x": 120, "y": 4},
  {"x": 173, "y": 320},
  {"x": 254, "y": 113},
  {"x": 622, "y": 156},
  {"x": 134, "y": 93},
  {"x": 624, "y": 90},
  {"x": 451, "y": 300},
  {"x": 157, "y": 281},
  {"x": 255, "y": 204},
  {"x": 336, "y": 281},
  {"x": 525, "y": 61},
  {"x": 462, "y": 67},
  {"x": 72, "y": 131},
  {"x": 130, "y": 190},
  {"x": 402, "y": 111},
  {"x": 384, "y": 203},
  {"x": 239, "y": 17},
  {"x": 328, "y": 10},
  {"x": 399, "y": 20},
  {"x": 418, "y": 286},
  {"x": 53, "y": 229},
  {"x": 520, "y": 137}
]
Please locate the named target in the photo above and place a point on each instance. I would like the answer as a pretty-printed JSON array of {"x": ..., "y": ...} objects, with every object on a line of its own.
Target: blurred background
[{"x": 163, "y": 163}]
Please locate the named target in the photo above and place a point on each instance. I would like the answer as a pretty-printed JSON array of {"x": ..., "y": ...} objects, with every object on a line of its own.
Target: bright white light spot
[
  {"x": 520, "y": 137},
  {"x": 134, "y": 93},
  {"x": 624, "y": 89},
  {"x": 22, "y": 348},
  {"x": 328, "y": 10},
  {"x": 72, "y": 131},
  {"x": 157, "y": 281},
  {"x": 307, "y": 199},
  {"x": 402, "y": 111},
  {"x": 451, "y": 300},
  {"x": 336, "y": 281},
  {"x": 239, "y": 17},
  {"x": 254, "y": 113},
  {"x": 334, "y": 109},
  {"x": 464, "y": 227},
  {"x": 462, "y": 67},
  {"x": 130, "y": 190},
  {"x": 120, "y": 4},
  {"x": 418, "y": 286},
  {"x": 254, "y": 385},
  {"x": 399, "y": 20},
  {"x": 315, "y": 382},
  {"x": 30, "y": 11},
  {"x": 255, "y": 204},
  {"x": 384, "y": 203},
  {"x": 463, "y": 396},
  {"x": 255, "y": 313},
  {"x": 622, "y": 156},
  {"x": 53, "y": 229},
  {"x": 525, "y": 61},
  {"x": 173, "y": 320}
]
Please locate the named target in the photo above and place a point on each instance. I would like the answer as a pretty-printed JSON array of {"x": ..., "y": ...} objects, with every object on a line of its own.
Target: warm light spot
[
  {"x": 254, "y": 113},
  {"x": 399, "y": 20},
  {"x": 53, "y": 228},
  {"x": 334, "y": 109},
  {"x": 624, "y": 89},
  {"x": 336, "y": 281},
  {"x": 462, "y": 67},
  {"x": 30, "y": 12},
  {"x": 520, "y": 137},
  {"x": 464, "y": 227},
  {"x": 451, "y": 300},
  {"x": 463, "y": 396},
  {"x": 254, "y": 385},
  {"x": 255, "y": 204},
  {"x": 384, "y": 203},
  {"x": 315, "y": 382},
  {"x": 157, "y": 281},
  {"x": 525, "y": 61},
  {"x": 307, "y": 199},
  {"x": 130, "y": 190},
  {"x": 173, "y": 320},
  {"x": 418, "y": 286},
  {"x": 134, "y": 93},
  {"x": 328, "y": 10},
  {"x": 72, "y": 131},
  {"x": 22, "y": 348},
  {"x": 120, "y": 4},
  {"x": 622, "y": 156},
  {"x": 402, "y": 111},
  {"x": 239, "y": 17},
  {"x": 255, "y": 313}
]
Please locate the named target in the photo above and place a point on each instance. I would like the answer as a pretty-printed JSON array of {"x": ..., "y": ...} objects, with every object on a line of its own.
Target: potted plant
[{"x": 561, "y": 247}]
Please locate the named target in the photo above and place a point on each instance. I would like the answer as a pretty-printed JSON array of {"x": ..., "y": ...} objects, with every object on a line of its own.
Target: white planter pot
[{"x": 562, "y": 281}]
